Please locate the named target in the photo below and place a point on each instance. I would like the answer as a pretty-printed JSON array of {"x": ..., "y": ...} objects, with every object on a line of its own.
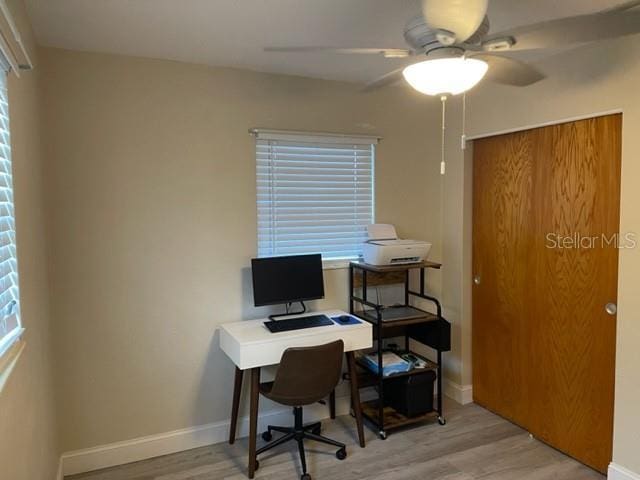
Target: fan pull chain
[
  {"x": 443, "y": 99},
  {"x": 463, "y": 139}
]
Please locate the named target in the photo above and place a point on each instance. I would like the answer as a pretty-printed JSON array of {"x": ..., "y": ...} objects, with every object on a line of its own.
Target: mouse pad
[{"x": 352, "y": 321}]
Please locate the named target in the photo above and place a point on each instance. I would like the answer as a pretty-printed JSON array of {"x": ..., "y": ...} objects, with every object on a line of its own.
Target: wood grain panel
[
  {"x": 543, "y": 346},
  {"x": 503, "y": 182},
  {"x": 577, "y": 199}
]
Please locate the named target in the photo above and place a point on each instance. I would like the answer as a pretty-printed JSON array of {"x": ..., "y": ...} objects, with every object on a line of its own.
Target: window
[
  {"x": 315, "y": 193},
  {"x": 10, "y": 328}
]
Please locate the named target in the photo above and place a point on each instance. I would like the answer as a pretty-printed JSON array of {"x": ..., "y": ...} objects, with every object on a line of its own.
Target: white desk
[{"x": 250, "y": 345}]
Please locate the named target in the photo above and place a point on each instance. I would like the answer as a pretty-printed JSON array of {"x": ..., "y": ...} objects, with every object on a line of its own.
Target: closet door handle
[
  {"x": 611, "y": 308},
  {"x": 476, "y": 279}
]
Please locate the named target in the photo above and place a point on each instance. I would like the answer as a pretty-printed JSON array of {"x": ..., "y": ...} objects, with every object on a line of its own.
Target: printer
[{"x": 385, "y": 248}]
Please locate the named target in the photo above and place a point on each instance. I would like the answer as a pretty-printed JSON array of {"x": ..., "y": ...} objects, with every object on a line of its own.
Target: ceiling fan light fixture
[{"x": 445, "y": 75}]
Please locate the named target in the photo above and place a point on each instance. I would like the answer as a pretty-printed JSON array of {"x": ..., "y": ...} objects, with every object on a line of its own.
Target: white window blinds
[
  {"x": 9, "y": 307},
  {"x": 315, "y": 193}
]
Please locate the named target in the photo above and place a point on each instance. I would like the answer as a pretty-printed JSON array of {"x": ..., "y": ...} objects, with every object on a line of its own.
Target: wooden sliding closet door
[
  {"x": 503, "y": 172},
  {"x": 546, "y": 215}
]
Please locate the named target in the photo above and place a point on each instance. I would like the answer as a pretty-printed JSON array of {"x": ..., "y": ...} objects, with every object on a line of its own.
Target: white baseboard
[
  {"x": 142, "y": 448},
  {"x": 617, "y": 472},
  {"x": 462, "y": 394}
]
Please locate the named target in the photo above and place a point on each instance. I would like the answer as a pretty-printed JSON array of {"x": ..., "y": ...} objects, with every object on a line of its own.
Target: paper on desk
[{"x": 381, "y": 231}]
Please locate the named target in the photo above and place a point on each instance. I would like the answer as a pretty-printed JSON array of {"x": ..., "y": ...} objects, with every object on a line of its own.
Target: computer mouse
[{"x": 344, "y": 318}]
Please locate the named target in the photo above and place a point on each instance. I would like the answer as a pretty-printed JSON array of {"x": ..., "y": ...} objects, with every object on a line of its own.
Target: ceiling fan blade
[
  {"x": 460, "y": 17},
  {"x": 386, "y": 79},
  {"x": 612, "y": 23},
  {"x": 509, "y": 71},
  {"x": 385, "y": 52},
  {"x": 623, "y": 6}
]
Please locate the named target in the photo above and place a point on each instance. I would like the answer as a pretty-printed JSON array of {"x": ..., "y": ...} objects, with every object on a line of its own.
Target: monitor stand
[{"x": 273, "y": 318}]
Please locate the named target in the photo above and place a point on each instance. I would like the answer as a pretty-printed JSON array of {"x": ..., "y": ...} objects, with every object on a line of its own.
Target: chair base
[{"x": 298, "y": 433}]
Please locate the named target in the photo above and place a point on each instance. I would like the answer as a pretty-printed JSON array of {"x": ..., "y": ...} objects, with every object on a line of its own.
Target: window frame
[
  {"x": 9, "y": 348},
  {"x": 304, "y": 137}
]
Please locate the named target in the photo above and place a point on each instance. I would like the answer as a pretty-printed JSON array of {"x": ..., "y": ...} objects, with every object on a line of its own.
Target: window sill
[{"x": 9, "y": 360}]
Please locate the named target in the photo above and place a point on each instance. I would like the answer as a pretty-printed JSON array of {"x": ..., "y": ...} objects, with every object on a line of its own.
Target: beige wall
[
  {"x": 589, "y": 80},
  {"x": 28, "y": 444},
  {"x": 151, "y": 189}
]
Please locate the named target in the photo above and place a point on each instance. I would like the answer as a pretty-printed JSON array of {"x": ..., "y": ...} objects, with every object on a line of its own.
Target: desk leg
[
  {"x": 253, "y": 419},
  {"x": 237, "y": 390},
  {"x": 355, "y": 395}
]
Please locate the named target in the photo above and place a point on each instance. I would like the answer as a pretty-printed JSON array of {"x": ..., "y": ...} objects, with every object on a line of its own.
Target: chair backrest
[{"x": 308, "y": 374}]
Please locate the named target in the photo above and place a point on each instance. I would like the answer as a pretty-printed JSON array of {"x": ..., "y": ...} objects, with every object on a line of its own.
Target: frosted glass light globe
[{"x": 443, "y": 76}]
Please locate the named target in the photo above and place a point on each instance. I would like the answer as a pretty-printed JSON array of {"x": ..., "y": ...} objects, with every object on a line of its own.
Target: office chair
[{"x": 306, "y": 375}]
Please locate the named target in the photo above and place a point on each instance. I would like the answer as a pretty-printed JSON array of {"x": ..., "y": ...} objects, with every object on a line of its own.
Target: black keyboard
[{"x": 311, "y": 321}]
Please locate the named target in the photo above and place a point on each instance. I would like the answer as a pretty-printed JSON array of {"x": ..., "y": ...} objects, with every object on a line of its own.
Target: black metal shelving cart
[{"x": 389, "y": 322}]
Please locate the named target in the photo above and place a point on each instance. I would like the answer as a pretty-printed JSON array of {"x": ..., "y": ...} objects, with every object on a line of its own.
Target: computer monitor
[{"x": 283, "y": 280}]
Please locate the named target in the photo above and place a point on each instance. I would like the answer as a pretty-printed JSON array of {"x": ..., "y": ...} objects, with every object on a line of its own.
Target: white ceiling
[{"x": 233, "y": 32}]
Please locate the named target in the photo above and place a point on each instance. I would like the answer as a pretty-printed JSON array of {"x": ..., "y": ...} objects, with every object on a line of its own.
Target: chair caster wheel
[
  {"x": 341, "y": 454},
  {"x": 257, "y": 465},
  {"x": 442, "y": 421},
  {"x": 267, "y": 436},
  {"x": 306, "y": 476},
  {"x": 382, "y": 434}
]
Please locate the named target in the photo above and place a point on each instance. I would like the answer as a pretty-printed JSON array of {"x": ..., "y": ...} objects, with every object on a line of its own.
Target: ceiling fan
[{"x": 454, "y": 37}]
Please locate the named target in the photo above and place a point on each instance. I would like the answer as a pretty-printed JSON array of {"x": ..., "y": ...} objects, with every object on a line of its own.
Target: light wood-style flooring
[{"x": 475, "y": 444}]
